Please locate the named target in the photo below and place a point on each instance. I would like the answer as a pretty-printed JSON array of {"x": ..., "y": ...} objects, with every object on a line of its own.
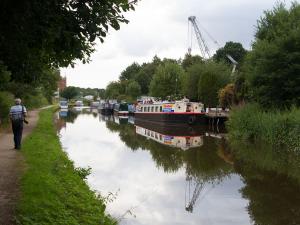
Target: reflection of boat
[
  {"x": 172, "y": 129},
  {"x": 95, "y": 104},
  {"x": 183, "y": 142},
  {"x": 63, "y": 113},
  {"x": 106, "y": 108},
  {"x": 121, "y": 119},
  {"x": 131, "y": 120},
  {"x": 63, "y": 104},
  {"x": 184, "y": 112},
  {"x": 106, "y": 117}
]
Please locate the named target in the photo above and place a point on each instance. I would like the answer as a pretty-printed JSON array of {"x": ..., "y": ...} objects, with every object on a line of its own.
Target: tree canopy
[
  {"x": 273, "y": 66},
  {"x": 234, "y": 49}
]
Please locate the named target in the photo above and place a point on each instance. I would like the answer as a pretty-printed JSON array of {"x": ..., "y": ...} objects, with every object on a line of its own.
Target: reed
[{"x": 279, "y": 129}]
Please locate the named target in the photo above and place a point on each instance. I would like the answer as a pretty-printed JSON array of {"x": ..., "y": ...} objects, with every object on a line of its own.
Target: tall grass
[{"x": 280, "y": 129}]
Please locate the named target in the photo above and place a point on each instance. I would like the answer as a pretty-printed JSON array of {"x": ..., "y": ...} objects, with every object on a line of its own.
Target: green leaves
[
  {"x": 167, "y": 81},
  {"x": 273, "y": 66}
]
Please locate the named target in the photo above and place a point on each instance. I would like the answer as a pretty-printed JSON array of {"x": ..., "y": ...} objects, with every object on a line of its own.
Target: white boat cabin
[{"x": 170, "y": 107}]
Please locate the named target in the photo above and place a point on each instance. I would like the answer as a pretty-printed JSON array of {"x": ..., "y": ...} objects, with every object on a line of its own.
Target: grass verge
[{"x": 52, "y": 190}]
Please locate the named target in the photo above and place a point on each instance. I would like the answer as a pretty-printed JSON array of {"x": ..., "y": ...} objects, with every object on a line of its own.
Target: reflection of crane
[
  {"x": 189, "y": 206},
  {"x": 203, "y": 46}
]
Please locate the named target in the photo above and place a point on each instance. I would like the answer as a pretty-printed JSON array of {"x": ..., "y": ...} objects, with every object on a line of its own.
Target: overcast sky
[{"x": 160, "y": 27}]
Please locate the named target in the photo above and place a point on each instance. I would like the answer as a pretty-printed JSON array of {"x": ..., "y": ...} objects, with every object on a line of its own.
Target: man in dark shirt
[{"x": 17, "y": 115}]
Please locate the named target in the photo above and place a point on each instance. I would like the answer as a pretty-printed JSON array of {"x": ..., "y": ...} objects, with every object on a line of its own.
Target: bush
[
  {"x": 35, "y": 101},
  {"x": 279, "y": 129},
  {"x": 6, "y": 100}
]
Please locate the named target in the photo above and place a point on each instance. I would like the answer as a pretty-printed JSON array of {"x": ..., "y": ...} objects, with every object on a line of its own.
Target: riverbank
[
  {"x": 269, "y": 140},
  {"x": 53, "y": 191},
  {"x": 279, "y": 129}
]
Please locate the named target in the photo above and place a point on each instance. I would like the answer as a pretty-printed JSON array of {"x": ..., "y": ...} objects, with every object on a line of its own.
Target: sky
[{"x": 160, "y": 27}]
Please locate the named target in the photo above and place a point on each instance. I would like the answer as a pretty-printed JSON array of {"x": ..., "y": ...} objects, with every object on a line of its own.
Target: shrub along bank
[
  {"x": 279, "y": 129},
  {"x": 52, "y": 190}
]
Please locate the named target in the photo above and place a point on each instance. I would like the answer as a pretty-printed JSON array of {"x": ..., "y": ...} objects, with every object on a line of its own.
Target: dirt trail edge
[{"x": 11, "y": 168}]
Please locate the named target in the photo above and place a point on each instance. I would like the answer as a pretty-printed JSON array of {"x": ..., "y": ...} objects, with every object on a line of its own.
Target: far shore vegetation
[{"x": 53, "y": 190}]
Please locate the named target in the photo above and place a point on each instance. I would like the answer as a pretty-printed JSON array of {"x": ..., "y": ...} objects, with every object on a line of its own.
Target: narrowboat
[
  {"x": 106, "y": 108},
  {"x": 63, "y": 104},
  {"x": 121, "y": 109},
  {"x": 177, "y": 112},
  {"x": 79, "y": 103}
]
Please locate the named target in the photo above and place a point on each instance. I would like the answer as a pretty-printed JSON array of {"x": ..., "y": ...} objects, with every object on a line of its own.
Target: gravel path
[{"x": 11, "y": 166}]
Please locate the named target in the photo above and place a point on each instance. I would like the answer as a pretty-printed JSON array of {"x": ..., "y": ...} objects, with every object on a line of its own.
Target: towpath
[{"x": 11, "y": 167}]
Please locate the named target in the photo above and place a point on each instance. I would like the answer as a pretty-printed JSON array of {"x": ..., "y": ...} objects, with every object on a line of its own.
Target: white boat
[
  {"x": 63, "y": 104},
  {"x": 182, "y": 111}
]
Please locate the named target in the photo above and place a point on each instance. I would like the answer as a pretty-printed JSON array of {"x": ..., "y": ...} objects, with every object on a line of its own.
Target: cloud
[{"x": 160, "y": 28}]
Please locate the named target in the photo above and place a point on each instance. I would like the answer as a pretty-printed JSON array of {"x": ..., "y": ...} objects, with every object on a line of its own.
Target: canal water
[{"x": 153, "y": 175}]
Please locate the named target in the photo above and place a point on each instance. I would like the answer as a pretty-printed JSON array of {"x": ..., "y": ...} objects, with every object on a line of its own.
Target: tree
[
  {"x": 190, "y": 60},
  {"x": 227, "y": 96},
  {"x": 130, "y": 72},
  {"x": 113, "y": 90},
  {"x": 167, "y": 80},
  {"x": 214, "y": 76},
  {"x": 145, "y": 74},
  {"x": 38, "y": 35},
  {"x": 133, "y": 89},
  {"x": 272, "y": 67},
  {"x": 190, "y": 84},
  {"x": 69, "y": 92},
  {"x": 234, "y": 49},
  {"x": 4, "y": 77}
]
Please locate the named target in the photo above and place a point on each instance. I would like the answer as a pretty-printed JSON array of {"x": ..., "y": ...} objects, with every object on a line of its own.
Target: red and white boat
[{"x": 184, "y": 112}]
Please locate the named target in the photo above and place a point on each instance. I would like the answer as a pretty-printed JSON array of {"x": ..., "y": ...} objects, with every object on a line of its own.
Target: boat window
[
  {"x": 148, "y": 108},
  {"x": 152, "y": 109},
  {"x": 141, "y": 109},
  {"x": 160, "y": 137},
  {"x": 156, "y": 109},
  {"x": 160, "y": 109}
]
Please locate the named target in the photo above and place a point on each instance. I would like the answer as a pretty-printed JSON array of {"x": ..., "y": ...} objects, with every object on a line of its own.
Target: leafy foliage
[
  {"x": 6, "y": 100},
  {"x": 167, "y": 80},
  {"x": 133, "y": 89},
  {"x": 234, "y": 49},
  {"x": 213, "y": 77},
  {"x": 273, "y": 66},
  {"x": 227, "y": 96},
  {"x": 69, "y": 92},
  {"x": 190, "y": 60}
]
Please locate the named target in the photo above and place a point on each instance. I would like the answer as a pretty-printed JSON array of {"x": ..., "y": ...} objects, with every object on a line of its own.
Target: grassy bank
[
  {"x": 52, "y": 190},
  {"x": 281, "y": 130}
]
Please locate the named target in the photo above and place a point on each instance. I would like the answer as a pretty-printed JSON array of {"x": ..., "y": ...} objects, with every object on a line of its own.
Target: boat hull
[{"x": 173, "y": 118}]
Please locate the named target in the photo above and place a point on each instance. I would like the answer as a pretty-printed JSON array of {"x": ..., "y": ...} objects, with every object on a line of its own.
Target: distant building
[{"x": 62, "y": 83}]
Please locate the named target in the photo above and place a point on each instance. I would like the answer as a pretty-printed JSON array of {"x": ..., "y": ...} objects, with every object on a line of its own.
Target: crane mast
[
  {"x": 201, "y": 42},
  {"x": 203, "y": 46}
]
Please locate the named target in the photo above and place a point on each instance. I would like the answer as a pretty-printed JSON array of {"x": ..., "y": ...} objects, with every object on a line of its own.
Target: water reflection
[{"x": 160, "y": 181}]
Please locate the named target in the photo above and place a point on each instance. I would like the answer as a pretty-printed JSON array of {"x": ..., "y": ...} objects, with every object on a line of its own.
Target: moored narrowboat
[
  {"x": 177, "y": 112},
  {"x": 106, "y": 108},
  {"x": 121, "y": 109}
]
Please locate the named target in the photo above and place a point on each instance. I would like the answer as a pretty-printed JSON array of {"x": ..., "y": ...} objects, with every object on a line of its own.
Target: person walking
[{"x": 17, "y": 116}]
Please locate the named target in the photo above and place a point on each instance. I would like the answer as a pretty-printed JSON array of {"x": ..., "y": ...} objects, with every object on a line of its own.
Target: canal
[{"x": 166, "y": 176}]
